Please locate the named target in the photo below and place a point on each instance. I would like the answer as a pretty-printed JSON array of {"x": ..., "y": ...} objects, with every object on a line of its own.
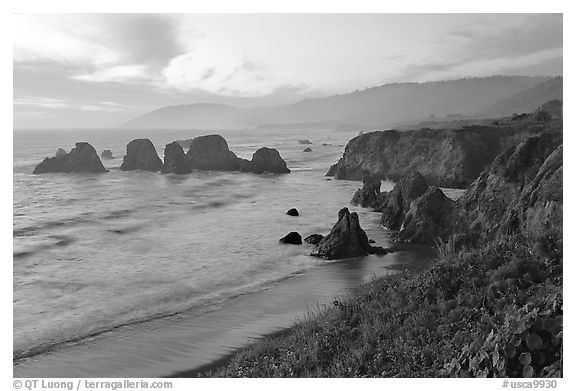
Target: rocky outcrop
[
  {"x": 107, "y": 154},
  {"x": 292, "y": 238},
  {"x": 82, "y": 158},
  {"x": 368, "y": 195},
  {"x": 314, "y": 238},
  {"x": 307, "y": 150},
  {"x": 408, "y": 189},
  {"x": 141, "y": 155},
  {"x": 488, "y": 199},
  {"x": 430, "y": 220},
  {"x": 445, "y": 157},
  {"x": 267, "y": 160},
  {"x": 175, "y": 160},
  {"x": 292, "y": 212},
  {"x": 346, "y": 239},
  {"x": 212, "y": 153},
  {"x": 537, "y": 212},
  {"x": 61, "y": 152}
]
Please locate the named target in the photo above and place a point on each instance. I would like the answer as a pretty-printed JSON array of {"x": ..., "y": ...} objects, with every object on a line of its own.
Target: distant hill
[
  {"x": 377, "y": 106},
  {"x": 528, "y": 100}
]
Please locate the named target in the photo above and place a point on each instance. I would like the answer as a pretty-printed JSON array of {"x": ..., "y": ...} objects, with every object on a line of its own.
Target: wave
[
  {"x": 58, "y": 241},
  {"x": 203, "y": 304}
]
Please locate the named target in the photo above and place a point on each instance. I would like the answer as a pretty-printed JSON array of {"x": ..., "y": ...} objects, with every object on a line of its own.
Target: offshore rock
[
  {"x": 175, "y": 160},
  {"x": 346, "y": 239},
  {"x": 82, "y": 158},
  {"x": 141, "y": 155},
  {"x": 398, "y": 200}
]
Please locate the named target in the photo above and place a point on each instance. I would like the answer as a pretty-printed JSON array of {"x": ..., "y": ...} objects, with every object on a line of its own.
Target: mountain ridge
[{"x": 382, "y": 105}]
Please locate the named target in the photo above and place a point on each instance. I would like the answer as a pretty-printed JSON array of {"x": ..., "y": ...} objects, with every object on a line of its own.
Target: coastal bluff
[{"x": 445, "y": 157}]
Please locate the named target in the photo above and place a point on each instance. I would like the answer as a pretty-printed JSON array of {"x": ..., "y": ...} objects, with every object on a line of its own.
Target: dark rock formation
[
  {"x": 367, "y": 196},
  {"x": 107, "y": 154},
  {"x": 292, "y": 238},
  {"x": 307, "y": 150},
  {"x": 61, "y": 152},
  {"x": 346, "y": 239},
  {"x": 398, "y": 200},
  {"x": 292, "y": 212},
  {"x": 445, "y": 157},
  {"x": 537, "y": 212},
  {"x": 267, "y": 160},
  {"x": 314, "y": 238},
  {"x": 487, "y": 200},
  {"x": 141, "y": 155},
  {"x": 430, "y": 219},
  {"x": 82, "y": 158},
  {"x": 212, "y": 153},
  {"x": 304, "y": 142},
  {"x": 175, "y": 160}
]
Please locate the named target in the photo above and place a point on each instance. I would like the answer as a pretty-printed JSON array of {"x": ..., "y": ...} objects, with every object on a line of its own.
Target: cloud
[
  {"x": 59, "y": 104},
  {"x": 213, "y": 70},
  {"x": 120, "y": 74}
]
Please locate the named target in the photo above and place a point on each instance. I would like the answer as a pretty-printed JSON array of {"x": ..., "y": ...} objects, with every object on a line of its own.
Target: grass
[{"x": 491, "y": 311}]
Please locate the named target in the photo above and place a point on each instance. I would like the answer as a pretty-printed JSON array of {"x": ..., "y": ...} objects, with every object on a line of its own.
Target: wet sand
[{"x": 188, "y": 343}]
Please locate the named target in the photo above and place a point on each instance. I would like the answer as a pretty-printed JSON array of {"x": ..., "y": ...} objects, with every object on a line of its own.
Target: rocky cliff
[
  {"x": 519, "y": 192},
  {"x": 444, "y": 157}
]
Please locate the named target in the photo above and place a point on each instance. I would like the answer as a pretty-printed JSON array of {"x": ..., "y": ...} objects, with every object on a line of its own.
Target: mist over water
[{"x": 92, "y": 252}]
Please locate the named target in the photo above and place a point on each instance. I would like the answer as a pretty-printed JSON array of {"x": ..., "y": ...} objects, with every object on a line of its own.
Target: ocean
[{"x": 96, "y": 253}]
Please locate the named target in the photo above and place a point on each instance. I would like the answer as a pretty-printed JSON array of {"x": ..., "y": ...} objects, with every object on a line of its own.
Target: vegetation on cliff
[{"x": 491, "y": 306}]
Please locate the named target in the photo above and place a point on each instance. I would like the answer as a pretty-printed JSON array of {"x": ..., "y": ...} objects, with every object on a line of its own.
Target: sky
[{"x": 99, "y": 70}]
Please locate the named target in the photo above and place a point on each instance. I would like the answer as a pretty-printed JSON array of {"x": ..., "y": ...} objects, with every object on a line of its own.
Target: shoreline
[
  {"x": 210, "y": 369},
  {"x": 189, "y": 344}
]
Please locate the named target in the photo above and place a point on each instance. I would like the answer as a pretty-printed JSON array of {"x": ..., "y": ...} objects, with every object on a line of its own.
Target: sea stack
[
  {"x": 211, "y": 153},
  {"x": 268, "y": 160},
  {"x": 175, "y": 160},
  {"x": 346, "y": 239},
  {"x": 141, "y": 155},
  {"x": 82, "y": 158},
  {"x": 409, "y": 188},
  {"x": 107, "y": 154}
]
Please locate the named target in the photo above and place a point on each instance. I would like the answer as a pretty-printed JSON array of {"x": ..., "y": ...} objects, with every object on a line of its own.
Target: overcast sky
[{"x": 98, "y": 70}]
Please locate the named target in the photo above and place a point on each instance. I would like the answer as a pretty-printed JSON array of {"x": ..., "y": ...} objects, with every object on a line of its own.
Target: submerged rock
[
  {"x": 292, "y": 212},
  {"x": 304, "y": 142},
  {"x": 292, "y": 238},
  {"x": 307, "y": 150},
  {"x": 107, "y": 154},
  {"x": 141, "y": 155},
  {"x": 346, "y": 239},
  {"x": 175, "y": 160},
  {"x": 398, "y": 200},
  {"x": 314, "y": 238},
  {"x": 82, "y": 158},
  {"x": 430, "y": 220}
]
